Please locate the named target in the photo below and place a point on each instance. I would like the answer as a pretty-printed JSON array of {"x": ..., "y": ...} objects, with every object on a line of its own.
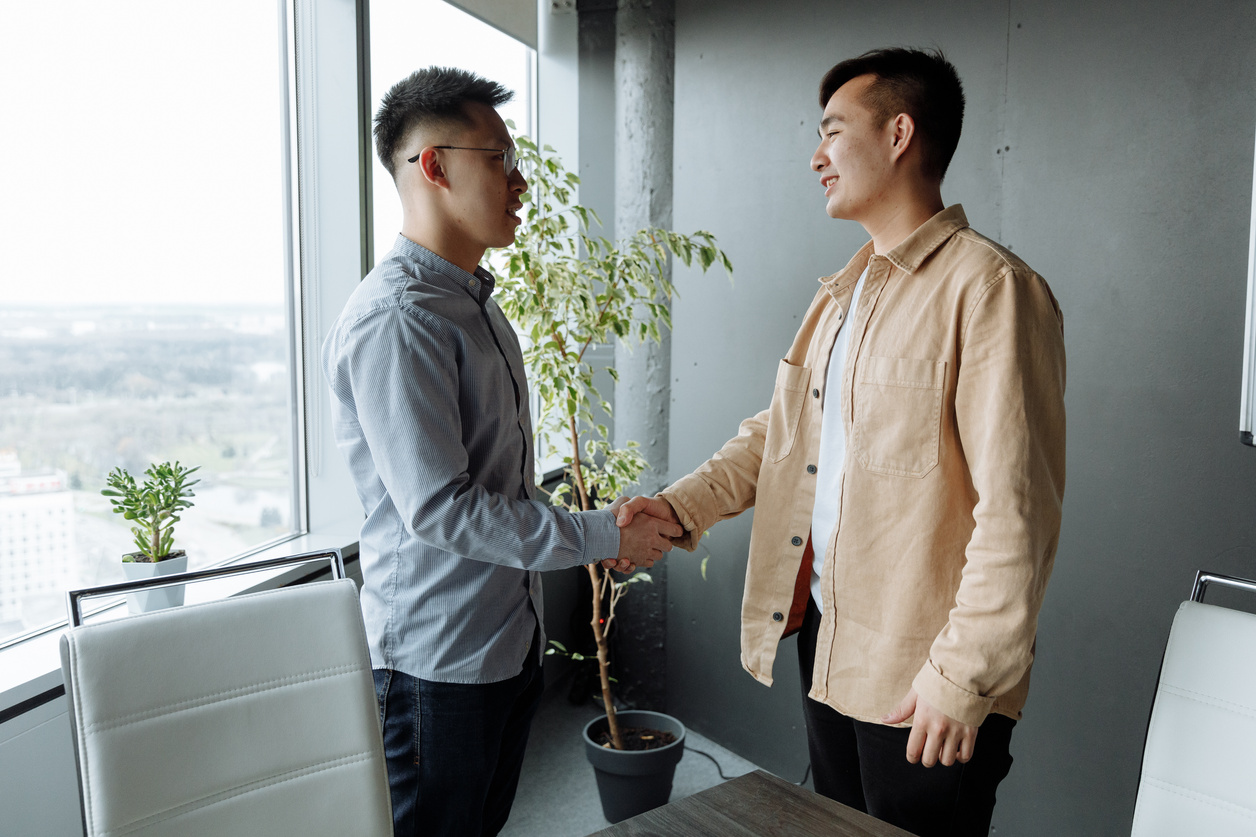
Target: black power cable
[{"x": 720, "y": 770}]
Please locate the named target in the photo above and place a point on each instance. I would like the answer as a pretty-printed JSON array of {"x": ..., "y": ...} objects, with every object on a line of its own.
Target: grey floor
[{"x": 557, "y": 791}]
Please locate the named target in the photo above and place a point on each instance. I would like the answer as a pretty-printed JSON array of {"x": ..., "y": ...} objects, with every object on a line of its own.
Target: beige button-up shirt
[{"x": 949, "y": 504}]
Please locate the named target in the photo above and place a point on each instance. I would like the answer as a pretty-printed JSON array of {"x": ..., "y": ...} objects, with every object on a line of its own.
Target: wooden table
[{"x": 755, "y": 805}]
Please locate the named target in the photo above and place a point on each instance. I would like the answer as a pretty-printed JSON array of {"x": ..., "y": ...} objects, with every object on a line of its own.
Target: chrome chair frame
[
  {"x": 1203, "y": 579},
  {"x": 75, "y": 598}
]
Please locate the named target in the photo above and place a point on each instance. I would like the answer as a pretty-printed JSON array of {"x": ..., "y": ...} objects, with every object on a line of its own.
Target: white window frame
[{"x": 1247, "y": 410}]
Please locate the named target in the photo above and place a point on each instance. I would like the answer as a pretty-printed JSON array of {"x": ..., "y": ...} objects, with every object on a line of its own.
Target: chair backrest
[
  {"x": 249, "y": 715},
  {"x": 1198, "y": 776}
]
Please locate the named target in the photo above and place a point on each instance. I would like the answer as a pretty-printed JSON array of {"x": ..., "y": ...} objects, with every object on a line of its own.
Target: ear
[
  {"x": 901, "y": 130},
  {"x": 430, "y": 166}
]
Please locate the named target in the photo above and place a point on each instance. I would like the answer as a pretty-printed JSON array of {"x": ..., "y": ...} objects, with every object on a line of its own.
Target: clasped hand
[{"x": 646, "y": 528}]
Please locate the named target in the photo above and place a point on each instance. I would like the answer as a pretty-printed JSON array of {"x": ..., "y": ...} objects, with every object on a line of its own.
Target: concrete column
[{"x": 645, "y": 58}]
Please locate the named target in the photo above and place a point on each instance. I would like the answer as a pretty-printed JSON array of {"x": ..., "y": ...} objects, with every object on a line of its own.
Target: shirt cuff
[
  {"x": 962, "y": 705},
  {"x": 601, "y": 535}
]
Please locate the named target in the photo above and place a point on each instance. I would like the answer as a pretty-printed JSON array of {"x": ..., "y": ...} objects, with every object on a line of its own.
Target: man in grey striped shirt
[{"x": 430, "y": 408}]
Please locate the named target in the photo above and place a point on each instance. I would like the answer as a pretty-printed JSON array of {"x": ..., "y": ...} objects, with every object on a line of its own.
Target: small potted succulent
[
  {"x": 154, "y": 507},
  {"x": 568, "y": 291}
]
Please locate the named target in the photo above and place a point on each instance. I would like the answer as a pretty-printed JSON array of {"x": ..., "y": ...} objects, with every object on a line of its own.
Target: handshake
[{"x": 647, "y": 526}]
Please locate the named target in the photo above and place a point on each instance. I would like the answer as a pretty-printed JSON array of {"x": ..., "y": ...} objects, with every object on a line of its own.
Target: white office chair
[
  {"x": 253, "y": 715},
  {"x": 1198, "y": 777}
]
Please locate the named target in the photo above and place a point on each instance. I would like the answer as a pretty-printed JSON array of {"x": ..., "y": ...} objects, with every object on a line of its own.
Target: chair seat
[
  {"x": 1198, "y": 776},
  {"x": 250, "y": 715}
]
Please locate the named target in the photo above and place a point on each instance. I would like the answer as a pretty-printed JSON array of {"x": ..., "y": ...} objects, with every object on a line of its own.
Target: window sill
[{"x": 31, "y": 669}]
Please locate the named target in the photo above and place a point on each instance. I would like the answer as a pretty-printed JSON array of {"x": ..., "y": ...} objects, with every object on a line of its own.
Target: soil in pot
[{"x": 638, "y": 738}]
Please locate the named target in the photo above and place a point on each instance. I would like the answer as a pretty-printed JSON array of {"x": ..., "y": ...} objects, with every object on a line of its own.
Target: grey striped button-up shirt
[{"x": 430, "y": 409}]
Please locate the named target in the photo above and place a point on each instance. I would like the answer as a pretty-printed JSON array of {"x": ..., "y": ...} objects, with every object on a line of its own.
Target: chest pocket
[
  {"x": 898, "y": 415},
  {"x": 788, "y": 398}
]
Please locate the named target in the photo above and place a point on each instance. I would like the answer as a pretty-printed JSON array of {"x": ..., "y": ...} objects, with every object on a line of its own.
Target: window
[
  {"x": 142, "y": 283},
  {"x": 408, "y": 35}
]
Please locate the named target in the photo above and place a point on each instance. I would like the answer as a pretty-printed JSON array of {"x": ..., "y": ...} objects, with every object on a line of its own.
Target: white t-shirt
[{"x": 832, "y": 449}]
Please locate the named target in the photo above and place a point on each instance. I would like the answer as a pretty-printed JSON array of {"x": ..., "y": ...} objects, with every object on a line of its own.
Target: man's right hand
[
  {"x": 643, "y": 537},
  {"x": 625, "y": 511}
]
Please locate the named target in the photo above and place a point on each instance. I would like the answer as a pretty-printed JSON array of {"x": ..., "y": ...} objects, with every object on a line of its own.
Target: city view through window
[{"x": 142, "y": 313}]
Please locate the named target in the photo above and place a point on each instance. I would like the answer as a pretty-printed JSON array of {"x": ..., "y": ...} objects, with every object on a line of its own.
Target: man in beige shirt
[{"x": 913, "y": 455}]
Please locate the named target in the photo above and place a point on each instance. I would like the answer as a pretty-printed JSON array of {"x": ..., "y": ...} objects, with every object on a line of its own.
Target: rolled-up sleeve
[{"x": 1009, "y": 411}]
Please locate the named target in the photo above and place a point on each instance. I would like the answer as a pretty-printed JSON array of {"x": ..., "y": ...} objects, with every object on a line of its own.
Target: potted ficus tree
[
  {"x": 569, "y": 291},
  {"x": 154, "y": 507}
]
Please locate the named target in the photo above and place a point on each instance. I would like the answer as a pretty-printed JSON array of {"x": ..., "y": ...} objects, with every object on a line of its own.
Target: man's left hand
[{"x": 935, "y": 736}]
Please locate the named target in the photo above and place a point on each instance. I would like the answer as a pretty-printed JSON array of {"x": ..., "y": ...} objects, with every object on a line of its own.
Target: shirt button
[
  {"x": 796, "y": 541},
  {"x": 815, "y": 393},
  {"x": 777, "y": 617},
  {"x": 811, "y": 469}
]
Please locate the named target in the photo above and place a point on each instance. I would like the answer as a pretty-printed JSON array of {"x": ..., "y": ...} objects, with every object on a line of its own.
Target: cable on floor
[{"x": 718, "y": 769}]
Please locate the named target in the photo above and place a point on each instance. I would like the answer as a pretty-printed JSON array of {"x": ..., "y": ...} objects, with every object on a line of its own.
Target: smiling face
[{"x": 855, "y": 158}]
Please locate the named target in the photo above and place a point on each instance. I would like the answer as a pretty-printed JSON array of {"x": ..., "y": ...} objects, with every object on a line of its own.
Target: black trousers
[{"x": 864, "y": 765}]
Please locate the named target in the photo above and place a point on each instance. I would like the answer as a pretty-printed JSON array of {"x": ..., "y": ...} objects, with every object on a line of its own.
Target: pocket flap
[
  {"x": 792, "y": 378},
  {"x": 903, "y": 372}
]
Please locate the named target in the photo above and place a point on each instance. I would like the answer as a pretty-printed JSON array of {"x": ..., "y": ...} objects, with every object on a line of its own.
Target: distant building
[{"x": 36, "y": 536}]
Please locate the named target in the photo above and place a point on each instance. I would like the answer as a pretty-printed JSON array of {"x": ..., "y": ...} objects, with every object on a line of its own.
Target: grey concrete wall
[{"x": 1110, "y": 144}]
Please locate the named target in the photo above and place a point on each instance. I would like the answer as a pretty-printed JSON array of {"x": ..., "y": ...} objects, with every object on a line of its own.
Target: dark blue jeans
[
  {"x": 864, "y": 766},
  {"x": 454, "y": 750}
]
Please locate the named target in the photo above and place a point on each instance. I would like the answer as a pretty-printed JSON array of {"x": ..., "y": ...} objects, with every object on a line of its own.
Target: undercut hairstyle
[
  {"x": 437, "y": 95},
  {"x": 923, "y": 85}
]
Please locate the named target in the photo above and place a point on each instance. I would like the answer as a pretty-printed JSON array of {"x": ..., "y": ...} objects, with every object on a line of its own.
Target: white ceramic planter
[{"x": 160, "y": 598}]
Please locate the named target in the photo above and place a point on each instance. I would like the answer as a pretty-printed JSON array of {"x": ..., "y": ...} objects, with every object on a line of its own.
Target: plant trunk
[
  {"x": 603, "y": 651},
  {"x": 604, "y": 660}
]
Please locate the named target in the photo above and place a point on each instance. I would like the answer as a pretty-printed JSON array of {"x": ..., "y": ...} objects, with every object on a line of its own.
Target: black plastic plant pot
[{"x": 631, "y": 782}]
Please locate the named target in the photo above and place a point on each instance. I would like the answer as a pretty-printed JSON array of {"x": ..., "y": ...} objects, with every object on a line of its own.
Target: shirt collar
[
  {"x": 910, "y": 254},
  {"x": 479, "y": 284},
  {"x": 927, "y": 238}
]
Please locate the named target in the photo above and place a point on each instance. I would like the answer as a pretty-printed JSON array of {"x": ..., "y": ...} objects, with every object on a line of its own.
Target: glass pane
[
  {"x": 142, "y": 314},
  {"x": 408, "y": 35},
  {"x": 411, "y": 34}
]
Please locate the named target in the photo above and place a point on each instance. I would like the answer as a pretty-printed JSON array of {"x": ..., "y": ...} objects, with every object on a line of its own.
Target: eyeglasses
[{"x": 509, "y": 161}]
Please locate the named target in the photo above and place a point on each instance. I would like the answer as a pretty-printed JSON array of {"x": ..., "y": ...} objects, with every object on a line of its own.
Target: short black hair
[
  {"x": 437, "y": 94},
  {"x": 924, "y": 85}
]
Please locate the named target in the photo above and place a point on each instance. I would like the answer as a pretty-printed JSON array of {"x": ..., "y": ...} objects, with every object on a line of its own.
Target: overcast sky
[{"x": 141, "y": 151}]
